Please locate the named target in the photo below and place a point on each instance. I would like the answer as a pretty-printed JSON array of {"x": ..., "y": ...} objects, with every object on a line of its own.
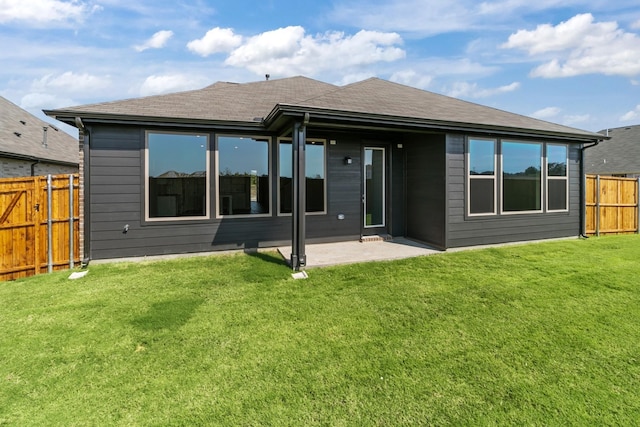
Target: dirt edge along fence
[
  {"x": 39, "y": 225},
  {"x": 611, "y": 205}
]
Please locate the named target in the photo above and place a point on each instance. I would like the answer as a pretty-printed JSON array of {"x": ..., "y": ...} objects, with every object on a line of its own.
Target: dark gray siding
[
  {"x": 426, "y": 190},
  {"x": 343, "y": 191},
  {"x": 397, "y": 213},
  {"x": 117, "y": 199},
  {"x": 470, "y": 231}
]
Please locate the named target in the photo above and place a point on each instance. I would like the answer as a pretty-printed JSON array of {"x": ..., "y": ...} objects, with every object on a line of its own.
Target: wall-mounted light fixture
[{"x": 348, "y": 160}]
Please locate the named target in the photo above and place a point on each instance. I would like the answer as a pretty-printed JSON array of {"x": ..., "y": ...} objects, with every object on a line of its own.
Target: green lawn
[{"x": 540, "y": 334}]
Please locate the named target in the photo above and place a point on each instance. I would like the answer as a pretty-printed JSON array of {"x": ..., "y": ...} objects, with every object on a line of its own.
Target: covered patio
[{"x": 326, "y": 254}]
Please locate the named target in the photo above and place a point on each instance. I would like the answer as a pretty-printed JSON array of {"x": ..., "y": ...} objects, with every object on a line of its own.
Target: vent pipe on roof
[
  {"x": 44, "y": 136},
  {"x": 267, "y": 76}
]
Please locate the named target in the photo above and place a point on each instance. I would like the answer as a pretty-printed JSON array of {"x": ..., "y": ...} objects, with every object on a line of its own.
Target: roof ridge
[{"x": 336, "y": 89}]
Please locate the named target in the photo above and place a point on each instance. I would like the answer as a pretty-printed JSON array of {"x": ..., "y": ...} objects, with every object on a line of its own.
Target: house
[
  {"x": 236, "y": 166},
  {"x": 31, "y": 147},
  {"x": 618, "y": 156}
]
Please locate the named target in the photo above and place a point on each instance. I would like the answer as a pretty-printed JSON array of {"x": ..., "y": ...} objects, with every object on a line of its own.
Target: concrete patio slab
[{"x": 325, "y": 254}]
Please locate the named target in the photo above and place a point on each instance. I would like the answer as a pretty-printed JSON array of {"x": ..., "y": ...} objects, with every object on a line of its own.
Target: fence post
[
  {"x": 71, "y": 234},
  {"x": 638, "y": 206},
  {"x": 49, "y": 226},
  {"x": 597, "y": 205}
]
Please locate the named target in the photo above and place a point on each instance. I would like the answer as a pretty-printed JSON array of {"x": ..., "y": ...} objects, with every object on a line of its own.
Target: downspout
[
  {"x": 298, "y": 220},
  {"x": 33, "y": 167},
  {"x": 86, "y": 200},
  {"x": 583, "y": 192}
]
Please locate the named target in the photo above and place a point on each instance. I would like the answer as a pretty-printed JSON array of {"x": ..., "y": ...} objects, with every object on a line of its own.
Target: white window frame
[
  {"x": 558, "y": 178},
  {"x": 269, "y": 141},
  {"x": 207, "y": 216},
  {"x": 470, "y": 176},
  {"x": 542, "y": 178},
  {"x": 324, "y": 142}
]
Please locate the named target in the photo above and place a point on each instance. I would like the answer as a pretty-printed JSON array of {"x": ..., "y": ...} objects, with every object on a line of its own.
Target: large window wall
[
  {"x": 516, "y": 177},
  {"x": 179, "y": 176}
]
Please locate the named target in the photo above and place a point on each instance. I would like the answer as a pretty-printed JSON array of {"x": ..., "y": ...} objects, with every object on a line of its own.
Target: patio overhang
[{"x": 280, "y": 118}]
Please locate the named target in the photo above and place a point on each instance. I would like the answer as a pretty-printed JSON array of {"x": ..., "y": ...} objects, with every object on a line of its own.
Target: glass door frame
[{"x": 381, "y": 227}]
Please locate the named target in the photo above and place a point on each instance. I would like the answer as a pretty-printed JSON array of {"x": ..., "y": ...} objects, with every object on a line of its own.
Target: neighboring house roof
[
  {"x": 264, "y": 104},
  {"x": 620, "y": 155},
  {"x": 22, "y": 136}
]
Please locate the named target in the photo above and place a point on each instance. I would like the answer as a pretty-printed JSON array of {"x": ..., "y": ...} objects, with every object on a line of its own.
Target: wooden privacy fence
[
  {"x": 611, "y": 205},
  {"x": 39, "y": 225}
]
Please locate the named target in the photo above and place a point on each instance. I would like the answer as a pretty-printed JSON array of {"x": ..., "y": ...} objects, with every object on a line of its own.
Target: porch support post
[{"x": 298, "y": 235}]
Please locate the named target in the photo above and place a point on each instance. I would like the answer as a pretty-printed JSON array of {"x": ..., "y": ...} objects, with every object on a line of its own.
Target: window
[
  {"x": 243, "y": 175},
  {"x": 481, "y": 165},
  {"x": 557, "y": 178},
  {"x": 530, "y": 173},
  {"x": 177, "y": 170},
  {"x": 521, "y": 177},
  {"x": 315, "y": 172}
]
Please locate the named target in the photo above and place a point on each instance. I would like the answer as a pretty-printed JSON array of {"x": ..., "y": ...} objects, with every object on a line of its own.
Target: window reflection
[
  {"x": 243, "y": 175},
  {"x": 482, "y": 179},
  {"x": 521, "y": 176},
  {"x": 481, "y": 157},
  {"x": 557, "y": 160},
  {"x": 557, "y": 180},
  {"x": 177, "y": 170},
  {"x": 314, "y": 172}
]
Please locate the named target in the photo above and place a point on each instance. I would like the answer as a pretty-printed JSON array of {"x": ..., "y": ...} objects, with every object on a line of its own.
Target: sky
[{"x": 573, "y": 62}]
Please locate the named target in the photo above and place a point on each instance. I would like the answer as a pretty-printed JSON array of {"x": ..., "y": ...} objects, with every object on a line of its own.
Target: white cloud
[
  {"x": 509, "y": 7},
  {"x": 472, "y": 90},
  {"x": 427, "y": 18},
  {"x": 580, "y": 46},
  {"x": 39, "y": 101},
  {"x": 631, "y": 115},
  {"x": 39, "y": 12},
  {"x": 70, "y": 82},
  {"x": 156, "y": 85},
  {"x": 546, "y": 113},
  {"x": 216, "y": 40},
  {"x": 636, "y": 25},
  {"x": 157, "y": 41},
  {"x": 570, "y": 120},
  {"x": 289, "y": 51},
  {"x": 412, "y": 78}
]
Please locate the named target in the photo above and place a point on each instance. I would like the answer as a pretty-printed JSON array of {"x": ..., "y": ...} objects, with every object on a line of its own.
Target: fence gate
[
  {"x": 612, "y": 205},
  {"x": 39, "y": 225}
]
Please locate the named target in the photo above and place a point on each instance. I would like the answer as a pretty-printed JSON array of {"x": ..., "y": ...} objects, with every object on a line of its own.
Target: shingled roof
[
  {"x": 620, "y": 155},
  {"x": 222, "y": 101},
  {"x": 372, "y": 99},
  {"x": 22, "y": 135}
]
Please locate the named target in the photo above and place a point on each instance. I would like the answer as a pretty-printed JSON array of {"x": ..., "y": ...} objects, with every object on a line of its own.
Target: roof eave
[
  {"x": 69, "y": 117},
  {"x": 30, "y": 158}
]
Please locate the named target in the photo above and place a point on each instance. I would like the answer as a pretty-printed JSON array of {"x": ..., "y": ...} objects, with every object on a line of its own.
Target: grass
[{"x": 540, "y": 334}]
